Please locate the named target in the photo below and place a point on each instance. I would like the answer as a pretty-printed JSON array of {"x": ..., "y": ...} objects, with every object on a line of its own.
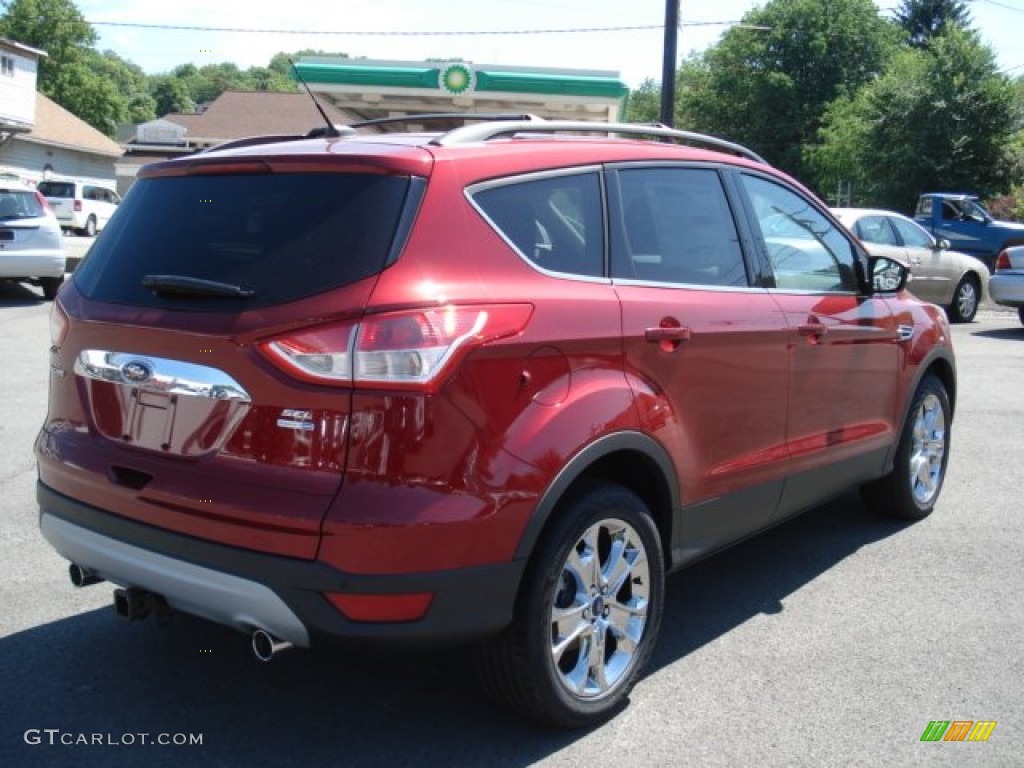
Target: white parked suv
[{"x": 82, "y": 207}]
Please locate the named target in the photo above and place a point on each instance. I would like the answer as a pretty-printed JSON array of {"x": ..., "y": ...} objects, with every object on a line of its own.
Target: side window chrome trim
[
  {"x": 689, "y": 286},
  {"x": 520, "y": 178},
  {"x": 811, "y": 292}
]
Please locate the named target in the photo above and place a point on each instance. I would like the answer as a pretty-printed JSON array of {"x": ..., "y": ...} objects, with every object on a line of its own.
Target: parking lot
[{"x": 832, "y": 640}]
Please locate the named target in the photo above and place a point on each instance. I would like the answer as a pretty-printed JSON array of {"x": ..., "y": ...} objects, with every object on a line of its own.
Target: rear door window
[
  {"x": 678, "y": 229},
  {"x": 911, "y": 234},
  {"x": 280, "y": 237}
]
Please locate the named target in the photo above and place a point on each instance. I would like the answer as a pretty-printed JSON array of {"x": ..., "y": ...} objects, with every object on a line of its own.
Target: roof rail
[
  {"x": 427, "y": 117},
  {"x": 350, "y": 129},
  {"x": 252, "y": 141},
  {"x": 470, "y": 134}
]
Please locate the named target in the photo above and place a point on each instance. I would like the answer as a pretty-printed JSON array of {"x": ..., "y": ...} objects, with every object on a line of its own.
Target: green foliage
[
  {"x": 84, "y": 92},
  {"x": 54, "y": 26},
  {"x": 644, "y": 104},
  {"x": 201, "y": 85},
  {"x": 170, "y": 94},
  {"x": 922, "y": 20},
  {"x": 769, "y": 88},
  {"x": 939, "y": 118}
]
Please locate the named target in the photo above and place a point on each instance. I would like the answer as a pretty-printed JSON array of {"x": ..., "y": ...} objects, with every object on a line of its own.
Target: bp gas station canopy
[{"x": 374, "y": 89}]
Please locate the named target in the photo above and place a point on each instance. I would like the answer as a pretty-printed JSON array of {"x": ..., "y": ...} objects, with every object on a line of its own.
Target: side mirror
[
  {"x": 941, "y": 245},
  {"x": 888, "y": 276}
]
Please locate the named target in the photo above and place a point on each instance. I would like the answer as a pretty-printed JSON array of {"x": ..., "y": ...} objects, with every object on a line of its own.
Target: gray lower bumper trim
[{"x": 220, "y": 597}]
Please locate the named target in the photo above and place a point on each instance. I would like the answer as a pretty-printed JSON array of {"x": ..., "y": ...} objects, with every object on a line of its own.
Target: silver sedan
[
  {"x": 948, "y": 278},
  {"x": 1007, "y": 284}
]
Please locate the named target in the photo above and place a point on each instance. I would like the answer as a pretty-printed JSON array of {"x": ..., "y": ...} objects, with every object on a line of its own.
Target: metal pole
[{"x": 668, "y": 69}]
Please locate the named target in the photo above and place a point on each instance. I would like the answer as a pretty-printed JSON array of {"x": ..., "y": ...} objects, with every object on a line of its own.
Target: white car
[
  {"x": 948, "y": 278},
  {"x": 80, "y": 207},
  {"x": 31, "y": 250},
  {"x": 1007, "y": 283}
]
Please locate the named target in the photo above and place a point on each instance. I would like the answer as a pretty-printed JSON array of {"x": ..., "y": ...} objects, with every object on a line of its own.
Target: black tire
[
  {"x": 966, "y": 299},
  {"x": 50, "y": 286},
  {"x": 90, "y": 227},
  {"x": 913, "y": 486},
  {"x": 521, "y": 669}
]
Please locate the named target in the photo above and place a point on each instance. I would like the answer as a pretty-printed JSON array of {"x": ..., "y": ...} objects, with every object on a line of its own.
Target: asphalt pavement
[{"x": 833, "y": 640}]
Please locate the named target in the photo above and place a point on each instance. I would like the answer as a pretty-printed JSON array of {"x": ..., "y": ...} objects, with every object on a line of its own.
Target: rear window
[
  {"x": 280, "y": 237},
  {"x": 19, "y": 204},
  {"x": 56, "y": 189}
]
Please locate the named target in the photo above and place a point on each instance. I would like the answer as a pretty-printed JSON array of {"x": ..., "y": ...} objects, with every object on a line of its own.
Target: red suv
[{"x": 490, "y": 384}]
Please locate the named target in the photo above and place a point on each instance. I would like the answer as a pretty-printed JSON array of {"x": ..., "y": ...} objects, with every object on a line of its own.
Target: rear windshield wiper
[{"x": 182, "y": 285}]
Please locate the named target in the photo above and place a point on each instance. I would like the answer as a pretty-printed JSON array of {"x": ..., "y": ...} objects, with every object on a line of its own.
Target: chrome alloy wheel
[
  {"x": 599, "y": 610},
  {"x": 928, "y": 450},
  {"x": 967, "y": 300}
]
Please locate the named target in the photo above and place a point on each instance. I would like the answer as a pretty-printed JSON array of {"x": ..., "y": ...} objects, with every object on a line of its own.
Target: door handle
[
  {"x": 813, "y": 328},
  {"x": 667, "y": 333}
]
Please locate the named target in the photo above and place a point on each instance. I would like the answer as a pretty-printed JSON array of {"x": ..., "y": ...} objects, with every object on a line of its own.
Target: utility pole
[{"x": 668, "y": 68}]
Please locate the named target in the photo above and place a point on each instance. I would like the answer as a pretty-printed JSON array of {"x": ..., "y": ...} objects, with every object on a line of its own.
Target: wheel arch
[
  {"x": 943, "y": 368},
  {"x": 631, "y": 459}
]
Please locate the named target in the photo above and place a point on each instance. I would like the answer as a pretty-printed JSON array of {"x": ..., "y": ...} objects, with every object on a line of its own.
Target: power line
[
  {"x": 1015, "y": 8},
  {"x": 404, "y": 33}
]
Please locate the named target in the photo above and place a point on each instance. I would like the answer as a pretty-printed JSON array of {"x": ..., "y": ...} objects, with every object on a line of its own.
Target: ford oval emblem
[{"x": 137, "y": 371}]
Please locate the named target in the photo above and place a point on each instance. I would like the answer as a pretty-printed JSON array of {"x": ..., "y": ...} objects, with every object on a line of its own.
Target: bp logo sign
[{"x": 457, "y": 78}]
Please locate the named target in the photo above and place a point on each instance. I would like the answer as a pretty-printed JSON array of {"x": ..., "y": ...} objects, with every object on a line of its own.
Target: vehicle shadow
[
  {"x": 710, "y": 598},
  {"x": 1001, "y": 333},
  {"x": 19, "y": 295},
  {"x": 96, "y": 674}
]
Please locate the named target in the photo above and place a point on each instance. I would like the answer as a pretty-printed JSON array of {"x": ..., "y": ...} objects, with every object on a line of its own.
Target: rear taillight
[
  {"x": 408, "y": 349},
  {"x": 58, "y": 325},
  {"x": 1003, "y": 260},
  {"x": 78, "y": 205}
]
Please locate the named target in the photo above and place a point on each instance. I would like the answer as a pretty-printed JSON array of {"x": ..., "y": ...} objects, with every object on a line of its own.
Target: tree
[
  {"x": 644, "y": 103},
  {"x": 923, "y": 20},
  {"x": 170, "y": 94},
  {"x": 54, "y": 26},
  {"x": 940, "y": 118},
  {"x": 769, "y": 87},
  {"x": 84, "y": 92}
]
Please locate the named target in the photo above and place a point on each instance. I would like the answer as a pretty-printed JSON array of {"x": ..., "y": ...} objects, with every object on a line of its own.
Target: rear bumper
[
  {"x": 1007, "y": 289},
  {"x": 31, "y": 264},
  {"x": 284, "y": 596}
]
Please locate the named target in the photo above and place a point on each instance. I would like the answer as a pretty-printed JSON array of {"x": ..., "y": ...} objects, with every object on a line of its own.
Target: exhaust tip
[
  {"x": 265, "y": 646},
  {"x": 82, "y": 577}
]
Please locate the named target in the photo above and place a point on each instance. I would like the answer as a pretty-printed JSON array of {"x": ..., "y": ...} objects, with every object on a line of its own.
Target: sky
[{"x": 334, "y": 25}]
